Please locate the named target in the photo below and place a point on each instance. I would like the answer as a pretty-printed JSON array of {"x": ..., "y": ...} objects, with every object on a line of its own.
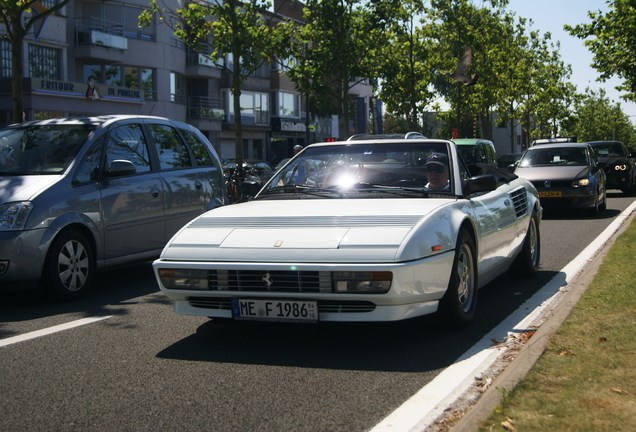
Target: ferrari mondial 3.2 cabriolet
[{"x": 369, "y": 230}]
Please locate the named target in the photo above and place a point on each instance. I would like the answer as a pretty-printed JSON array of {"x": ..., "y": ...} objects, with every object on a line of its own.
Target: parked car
[
  {"x": 349, "y": 231},
  {"x": 566, "y": 176},
  {"x": 477, "y": 150},
  {"x": 619, "y": 165},
  {"x": 82, "y": 194}
]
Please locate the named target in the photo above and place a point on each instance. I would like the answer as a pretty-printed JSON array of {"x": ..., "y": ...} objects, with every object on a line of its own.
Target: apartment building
[{"x": 92, "y": 58}]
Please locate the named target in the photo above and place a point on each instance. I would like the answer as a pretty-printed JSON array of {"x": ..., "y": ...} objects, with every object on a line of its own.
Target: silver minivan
[{"x": 78, "y": 195}]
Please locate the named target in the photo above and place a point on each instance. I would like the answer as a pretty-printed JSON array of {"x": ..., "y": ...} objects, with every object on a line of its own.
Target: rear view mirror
[{"x": 119, "y": 168}]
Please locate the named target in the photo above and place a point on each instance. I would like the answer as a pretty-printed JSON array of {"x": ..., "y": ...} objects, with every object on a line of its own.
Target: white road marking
[
  {"x": 422, "y": 409},
  {"x": 50, "y": 330}
]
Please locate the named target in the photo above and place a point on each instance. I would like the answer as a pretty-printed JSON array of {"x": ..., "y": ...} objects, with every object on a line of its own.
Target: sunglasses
[{"x": 434, "y": 168}]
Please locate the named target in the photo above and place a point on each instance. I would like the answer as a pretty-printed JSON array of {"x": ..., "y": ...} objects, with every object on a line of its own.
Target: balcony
[
  {"x": 205, "y": 113},
  {"x": 201, "y": 65},
  {"x": 100, "y": 39}
]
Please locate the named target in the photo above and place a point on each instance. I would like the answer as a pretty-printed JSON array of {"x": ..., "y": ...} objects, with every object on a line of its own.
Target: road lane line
[
  {"x": 420, "y": 411},
  {"x": 50, "y": 330}
]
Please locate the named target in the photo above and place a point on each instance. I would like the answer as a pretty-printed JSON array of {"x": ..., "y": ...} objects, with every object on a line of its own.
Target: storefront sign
[{"x": 93, "y": 92}]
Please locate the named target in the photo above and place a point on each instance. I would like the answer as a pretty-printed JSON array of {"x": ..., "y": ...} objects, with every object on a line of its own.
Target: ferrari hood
[{"x": 307, "y": 230}]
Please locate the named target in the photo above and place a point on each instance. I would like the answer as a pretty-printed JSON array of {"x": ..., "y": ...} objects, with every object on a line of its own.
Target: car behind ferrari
[{"x": 357, "y": 231}]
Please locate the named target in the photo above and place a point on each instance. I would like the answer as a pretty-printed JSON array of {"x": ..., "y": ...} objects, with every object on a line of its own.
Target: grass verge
[{"x": 586, "y": 378}]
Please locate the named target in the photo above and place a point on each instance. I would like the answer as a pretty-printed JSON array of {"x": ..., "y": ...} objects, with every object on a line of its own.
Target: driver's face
[{"x": 437, "y": 175}]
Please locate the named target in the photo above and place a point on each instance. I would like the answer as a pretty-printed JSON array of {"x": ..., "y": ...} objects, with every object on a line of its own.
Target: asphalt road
[{"x": 145, "y": 368}]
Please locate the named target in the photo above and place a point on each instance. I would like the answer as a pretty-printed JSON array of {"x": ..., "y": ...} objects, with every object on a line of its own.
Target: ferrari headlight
[
  {"x": 185, "y": 279},
  {"x": 581, "y": 183},
  {"x": 362, "y": 282},
  {"x": 620, "y": 167},
  {"x": 13, "y": 215}
]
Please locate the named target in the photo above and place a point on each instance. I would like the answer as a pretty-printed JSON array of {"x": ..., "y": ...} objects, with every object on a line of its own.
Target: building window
[
  {"x": 177, "y": 88},
  {"x": 132, "y": 77},
  {"x": 5, "y": 59},
  {"x": 254, "y": 107},
  {"x": 288, "y": 105},
  {"x": 147, "y": 84},
  {"x": 44, "y": 62}
]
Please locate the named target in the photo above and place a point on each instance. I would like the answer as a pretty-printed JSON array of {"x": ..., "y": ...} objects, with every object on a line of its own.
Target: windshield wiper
[{"x": 298, "y": 188}]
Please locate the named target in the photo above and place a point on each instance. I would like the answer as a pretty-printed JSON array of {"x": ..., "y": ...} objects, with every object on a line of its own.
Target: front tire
[
  {"x": 460, "y": 301},
  {"x": 69, "y": 267}
]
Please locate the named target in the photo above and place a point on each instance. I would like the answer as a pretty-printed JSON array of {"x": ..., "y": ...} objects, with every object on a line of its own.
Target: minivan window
[
  {"x": 44, "y": 149},
  {"x": 171, "y": 150},
  {"x": 199, "y": 151},
  {"x": 127, "y": 143},
  {"x": 89, "y": 166}
]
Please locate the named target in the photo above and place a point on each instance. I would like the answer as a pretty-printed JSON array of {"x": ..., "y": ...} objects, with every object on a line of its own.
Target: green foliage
[
  {"x": 611, "y": 37},
  {"x": 336, "y": 48},
  {"x": 11, "y": 15},
  {"x": 224, "y": 28},
  {"x": 599, "y": 119}
]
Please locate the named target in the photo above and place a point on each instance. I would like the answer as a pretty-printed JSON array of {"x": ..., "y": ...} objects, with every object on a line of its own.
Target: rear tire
[
  {"x": 69, "y": 267},
  {"x": 527, "y": 262},
  {"x": 459, "y": 304}
]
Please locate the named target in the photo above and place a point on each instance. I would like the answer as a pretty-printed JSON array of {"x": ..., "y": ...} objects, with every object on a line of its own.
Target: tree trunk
[{"x": 16, "y": 77}]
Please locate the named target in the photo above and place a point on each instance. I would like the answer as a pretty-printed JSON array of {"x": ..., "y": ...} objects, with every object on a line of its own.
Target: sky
[{"x": 550, "y": 16}]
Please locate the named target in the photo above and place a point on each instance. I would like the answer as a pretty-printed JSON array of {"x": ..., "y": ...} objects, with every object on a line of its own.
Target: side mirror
[
  {"x": 482, "y": 183},
  {"x": 119, "y": 168}
]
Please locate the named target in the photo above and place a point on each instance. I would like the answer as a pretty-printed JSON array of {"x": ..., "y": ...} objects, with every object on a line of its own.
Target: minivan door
[{"x": 132, "y": 203}]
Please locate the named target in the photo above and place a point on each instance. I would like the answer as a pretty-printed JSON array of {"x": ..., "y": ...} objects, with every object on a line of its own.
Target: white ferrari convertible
[{"x": 375, "y": 230}]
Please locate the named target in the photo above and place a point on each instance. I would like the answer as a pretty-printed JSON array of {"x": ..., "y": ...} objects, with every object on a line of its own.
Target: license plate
[
  {"x": 275, "y": 310},
  {"x": 550, "y": 194}
]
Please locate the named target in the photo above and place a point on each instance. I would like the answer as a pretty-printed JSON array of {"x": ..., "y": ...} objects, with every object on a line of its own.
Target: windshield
[
  {"x": 554, "y": 156},
  {"x": 350, "y": 169},
  {"x": 610, "y": 149},
  {"x": 40, "y": 149}
]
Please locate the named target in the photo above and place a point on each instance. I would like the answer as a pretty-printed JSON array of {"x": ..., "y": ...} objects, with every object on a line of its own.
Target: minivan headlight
[{"x": 13, "y": 215}]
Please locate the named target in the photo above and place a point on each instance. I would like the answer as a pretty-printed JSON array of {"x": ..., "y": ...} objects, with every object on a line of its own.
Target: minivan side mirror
[{"x": 120, "y": 167}]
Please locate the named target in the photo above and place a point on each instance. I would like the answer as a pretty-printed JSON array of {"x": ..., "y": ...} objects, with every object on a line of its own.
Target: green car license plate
[{"x": 275, "y": 310}]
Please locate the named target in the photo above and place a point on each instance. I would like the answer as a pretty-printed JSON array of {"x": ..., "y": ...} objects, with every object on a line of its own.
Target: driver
[{"x": 436, "y": 168}]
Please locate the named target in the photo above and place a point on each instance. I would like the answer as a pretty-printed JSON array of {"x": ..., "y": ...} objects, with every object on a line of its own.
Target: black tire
[
  {"x": 594, "y": 210},
  {"x": 70, "y": 265},
  {"x": 603, "y": 206},
  {"x": 527, "y": 262},
  {"x": 459, "y": 303}
]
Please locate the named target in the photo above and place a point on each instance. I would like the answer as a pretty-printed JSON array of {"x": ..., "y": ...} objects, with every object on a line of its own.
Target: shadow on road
[
  {"x": 114, "y": 287},
  {"x": 417, "y": 345}
]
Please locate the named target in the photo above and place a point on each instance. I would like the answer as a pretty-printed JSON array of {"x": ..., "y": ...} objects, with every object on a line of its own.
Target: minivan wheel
[{"x": 69, "y": 267}]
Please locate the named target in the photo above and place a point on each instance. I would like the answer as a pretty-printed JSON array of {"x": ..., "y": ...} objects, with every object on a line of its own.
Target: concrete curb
[{"x": 527, "y": 356}]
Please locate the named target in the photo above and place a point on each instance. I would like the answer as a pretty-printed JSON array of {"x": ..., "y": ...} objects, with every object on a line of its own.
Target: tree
[
  {"x": 242, "y": 31},
  {"x": 405, "y": 69},
  {"x": 336, "y": 48},
  {"x": 458, "y": 25},
  {"x": 11, "y": 13},
  {"x": 597, "y": 118},
  {"x": 611, "y": 38}
]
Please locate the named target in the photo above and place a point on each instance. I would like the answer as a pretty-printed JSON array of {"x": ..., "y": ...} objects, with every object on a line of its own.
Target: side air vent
[{"x": 520, "y": 201}]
